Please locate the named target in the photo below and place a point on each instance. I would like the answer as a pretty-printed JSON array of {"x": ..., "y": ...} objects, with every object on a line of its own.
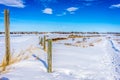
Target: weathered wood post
[
  {"x": 7, "y": 36},
  {"x": 41, "y": 41},
  {"x": 44, "y": 43},
  {"x": 49, "y": 56}
]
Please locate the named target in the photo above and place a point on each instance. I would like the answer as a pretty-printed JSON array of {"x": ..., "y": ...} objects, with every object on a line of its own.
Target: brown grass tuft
[
  {"x": 16, "y": 57},
  {"x": 57, "y": 39}
]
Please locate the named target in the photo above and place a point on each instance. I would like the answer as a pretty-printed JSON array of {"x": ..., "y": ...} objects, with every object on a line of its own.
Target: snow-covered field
[{"x": 95, "y": 58}]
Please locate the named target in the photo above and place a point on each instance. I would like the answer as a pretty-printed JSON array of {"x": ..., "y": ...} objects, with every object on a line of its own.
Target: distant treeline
[{"x": 62, "y": 32}]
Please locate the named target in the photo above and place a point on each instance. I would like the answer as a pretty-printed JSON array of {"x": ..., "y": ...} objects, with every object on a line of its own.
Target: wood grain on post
[
  {"x": 49, "y": 56},
  {"x": 41, "y": 41},
  {"x": 44, "y": 43},
  {"x": 7, "y": 36}
]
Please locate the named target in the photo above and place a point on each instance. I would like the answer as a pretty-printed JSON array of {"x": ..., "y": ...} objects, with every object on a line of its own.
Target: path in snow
[
  {"x": 69, "y": 63},
  {"x": 93, "y": 63}
]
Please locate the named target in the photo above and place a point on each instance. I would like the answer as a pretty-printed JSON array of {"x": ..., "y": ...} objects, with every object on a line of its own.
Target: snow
[
  {"x": 85, "y": 63},
  {"x": 70, "y": 62},
  {"x": 19, "y": 44}
]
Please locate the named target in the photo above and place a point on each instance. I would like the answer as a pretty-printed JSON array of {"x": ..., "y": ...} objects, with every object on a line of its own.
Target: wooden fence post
[
  {"x": 44, "y": 43},
  {"x": 49, "y": 56},
  {"x": 41, "y": 41},
  {"x": 7, "y": 36}
]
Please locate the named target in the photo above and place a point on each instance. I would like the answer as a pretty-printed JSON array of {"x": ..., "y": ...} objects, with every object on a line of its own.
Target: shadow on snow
[{"x": 44, "y": 63}]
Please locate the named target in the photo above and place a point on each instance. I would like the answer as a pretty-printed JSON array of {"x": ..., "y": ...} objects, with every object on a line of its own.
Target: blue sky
[{"x": 62, "y": 15}]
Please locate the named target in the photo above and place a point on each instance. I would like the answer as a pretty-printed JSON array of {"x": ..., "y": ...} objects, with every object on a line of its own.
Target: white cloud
[
  {"x": 115, "y": 6},
  {"x": 13, "y": 3},
  {"x": 48, "y": 11},
  {"x": 72, "y": 9}
]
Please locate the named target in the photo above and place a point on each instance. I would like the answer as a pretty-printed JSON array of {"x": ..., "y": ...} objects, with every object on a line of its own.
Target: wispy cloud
[
  {"x": 91, "y": 2},
  {"x": 48, "y": 11},
  {"x": 46, "y": 0},
  {"x": 64, "y": 13},
  {"x": 13, "y": 3},
  {"x": 72, "y": 9},
  {"x": 115, "y": 6},
  {"x": 45, "y": 3}
]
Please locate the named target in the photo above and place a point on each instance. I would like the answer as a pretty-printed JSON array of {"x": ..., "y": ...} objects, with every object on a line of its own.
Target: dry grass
[
  {"x": 118, "y": 42},
  {"x": 75, "y": 36},
  {"x": 16, "y": 57},
  {"x": 80, "y": 36},
  {"x": 117, "y": 35},
  {"x": 116, "y": 39},
  {"x": 84, "y": 44},
  {"x": 68, "y": 44},
  {"x": 91, "y": 44},
  {"x": 57, "y": 39}
]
